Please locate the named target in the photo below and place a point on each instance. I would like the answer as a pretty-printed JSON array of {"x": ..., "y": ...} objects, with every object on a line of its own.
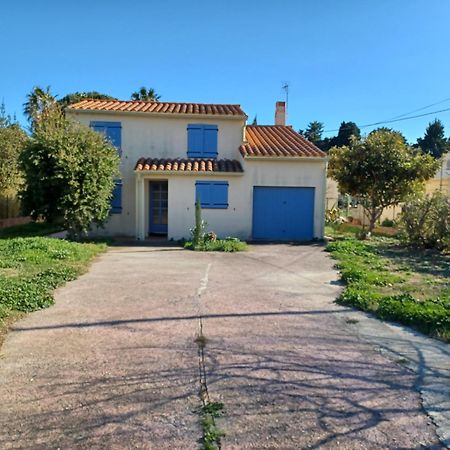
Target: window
[
  {"x": 202, "y": 141},
  {"x": 113, "y": 132},
  {"x": 212, "y": 194}
]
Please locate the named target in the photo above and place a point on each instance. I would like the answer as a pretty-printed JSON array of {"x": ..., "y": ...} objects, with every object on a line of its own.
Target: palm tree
[
  {"x": 38, "y": 100},
  {"x": 147, "y": 95}
]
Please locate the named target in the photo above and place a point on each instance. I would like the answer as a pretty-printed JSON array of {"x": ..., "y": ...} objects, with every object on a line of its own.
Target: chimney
[{"x": 280, "y": 113}]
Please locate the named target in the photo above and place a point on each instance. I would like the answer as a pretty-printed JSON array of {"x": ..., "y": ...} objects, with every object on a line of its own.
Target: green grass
[
  {"x": 29, "y": 229},
  {"x": 32, "y": 267},
  {"x": 219, "y": 245},
  {"x": 395, "y": 283}
]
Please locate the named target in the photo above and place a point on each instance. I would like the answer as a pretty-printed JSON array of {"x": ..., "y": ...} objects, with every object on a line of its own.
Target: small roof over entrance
[{"x": 188, "y": 165}]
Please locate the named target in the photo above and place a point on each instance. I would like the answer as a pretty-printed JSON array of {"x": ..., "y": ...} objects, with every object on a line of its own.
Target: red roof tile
[
  {"x": 188, "y": 165},
  {"x": 158, "y": 107},
  {"x": 277, "y": 141}
]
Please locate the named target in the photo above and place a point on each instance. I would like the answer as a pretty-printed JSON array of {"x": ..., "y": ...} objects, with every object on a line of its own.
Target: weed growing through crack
[
  {"x": 201, "y": 341},
  {"x": 211, "y": 432}
]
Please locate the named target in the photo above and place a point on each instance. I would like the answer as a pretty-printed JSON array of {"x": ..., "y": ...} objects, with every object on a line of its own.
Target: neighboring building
[
  {"x": 441, "y": 180},
  {"x": 254, "y": 182}
]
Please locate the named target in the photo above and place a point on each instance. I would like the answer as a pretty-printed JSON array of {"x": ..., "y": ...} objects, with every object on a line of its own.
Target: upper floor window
[
  {"x": 112, "y": 131},
  {"x": 202, "y": 141}
]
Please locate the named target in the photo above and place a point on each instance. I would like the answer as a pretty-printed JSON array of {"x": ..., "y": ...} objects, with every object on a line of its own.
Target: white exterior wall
[
  {"x": 156, "y": 136},
  {"x": 237, "y": 219},
  {"x": 147, "y": 135}
]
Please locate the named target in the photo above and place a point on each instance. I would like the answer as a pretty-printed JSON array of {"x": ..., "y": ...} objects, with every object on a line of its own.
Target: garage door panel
[{"x": 283, "y": 213}]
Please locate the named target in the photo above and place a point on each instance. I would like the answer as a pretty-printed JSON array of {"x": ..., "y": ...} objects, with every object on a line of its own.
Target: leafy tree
[
  {"x": 38, "y": 101},
  {"x": 70, "y": 172},
  {"x": 314, "y": 132},
  {"x": 434, "y": 141},
  {"x": 12, "y": 140},
  {"x": 144, "y": 94},
  {"x": 76, "y": 97},
  {"x": 345, "y": 133},
  {"x": 381, "y": 170}
]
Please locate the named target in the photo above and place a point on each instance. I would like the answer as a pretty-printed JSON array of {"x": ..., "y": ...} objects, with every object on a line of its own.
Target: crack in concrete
[{"x": 201, "y": 343}]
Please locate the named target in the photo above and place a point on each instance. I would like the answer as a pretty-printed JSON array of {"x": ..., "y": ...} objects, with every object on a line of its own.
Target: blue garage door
[{"x": 283, "y": 213}]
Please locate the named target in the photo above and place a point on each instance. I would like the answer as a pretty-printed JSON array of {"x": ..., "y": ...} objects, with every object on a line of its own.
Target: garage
[{"x": 283, "y": 213}]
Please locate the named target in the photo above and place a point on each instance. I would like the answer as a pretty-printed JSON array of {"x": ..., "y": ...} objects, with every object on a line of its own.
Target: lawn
[
  {"x": 406, "y": 285},
  {"x": 32, "y": 267}
]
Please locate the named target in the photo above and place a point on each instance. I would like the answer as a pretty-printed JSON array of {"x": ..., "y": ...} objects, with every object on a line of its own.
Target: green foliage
[
  {"x": 333, "y": 215},
  {"x": 377, "y": 284},
  {"x": 211, "y": 432},
  {"x": 12, "y": 141},
  {"x": 381, "y": 170},
  {"x": 30, "y": 268},
  {"x": 434, "y": 141},
  {"x": 76, "y": 97},
  {"x": 388, "y": 223},
  {"x": 228, "y": 244},
  {"x": 70, "y": 172},
  {"x": 198, "y": 232},
  {"x": 144, "y": 94},
  {"x": 347, "y": 132},
  {"x": 39, "y": 101},
  {"x": 425, "y": 221},
  {"x": 29, "y": 230},
  {"x": 314, "y": 132}
]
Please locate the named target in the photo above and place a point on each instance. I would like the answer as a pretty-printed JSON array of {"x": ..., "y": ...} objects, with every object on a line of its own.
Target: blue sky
[{"x": 360, "y": 60}]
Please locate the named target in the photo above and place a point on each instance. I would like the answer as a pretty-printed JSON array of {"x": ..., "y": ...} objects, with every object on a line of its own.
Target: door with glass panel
[{"x": 158, "y": 207}]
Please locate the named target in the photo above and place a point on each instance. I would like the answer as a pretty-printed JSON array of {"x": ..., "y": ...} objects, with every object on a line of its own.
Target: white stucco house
[{"x": 254, "y": 182}]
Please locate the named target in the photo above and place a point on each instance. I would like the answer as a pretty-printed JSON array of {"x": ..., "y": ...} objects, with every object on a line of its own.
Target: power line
[
  {"x": 394, "y": 120},
  {"x": 420, "y": 109}
]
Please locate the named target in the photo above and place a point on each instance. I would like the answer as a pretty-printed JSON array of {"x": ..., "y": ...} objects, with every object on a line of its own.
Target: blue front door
[
  {"x": 283, "y": 213},
  {"x": 158, "y": 207}
]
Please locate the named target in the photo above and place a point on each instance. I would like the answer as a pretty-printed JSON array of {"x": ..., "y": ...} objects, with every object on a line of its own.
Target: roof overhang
[
  {"x": 286, "y": 158},
  {"x": 156, "y": 114}
]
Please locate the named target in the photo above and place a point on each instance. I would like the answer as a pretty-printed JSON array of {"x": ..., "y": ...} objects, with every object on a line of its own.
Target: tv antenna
[{"x": 285, "y": 87}]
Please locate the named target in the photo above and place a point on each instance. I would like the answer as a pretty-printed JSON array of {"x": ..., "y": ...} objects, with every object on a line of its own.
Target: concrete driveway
[{"x": 114, "y": 364}]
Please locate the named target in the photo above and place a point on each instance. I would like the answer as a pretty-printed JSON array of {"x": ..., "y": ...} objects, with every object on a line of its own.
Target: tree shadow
[{"x": 424, "y": 261}]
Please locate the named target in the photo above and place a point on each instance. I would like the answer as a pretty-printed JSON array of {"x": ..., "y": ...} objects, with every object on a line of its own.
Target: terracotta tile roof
[
  {"x": 157, "y": 107},
  {"x": 189, "y": 165},
  {"x": 277, "y": 141}
]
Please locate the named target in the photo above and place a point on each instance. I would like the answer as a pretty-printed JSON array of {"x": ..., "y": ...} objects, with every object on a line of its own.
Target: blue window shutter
[
  {"x": 220, "y": 194},
  {"x": 112, "y": 131},
  {"x": 210, "y": 141},
  {"x": 195, "y": 141},
  {"x": 116, "y": 202},
  {"x": 213, "y": 194},
  {"x": 203, "y": 190}
]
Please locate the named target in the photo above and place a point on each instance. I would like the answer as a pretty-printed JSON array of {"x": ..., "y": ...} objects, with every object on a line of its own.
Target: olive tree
[
  {"x": 70, "y": 172},
  {"x": 381, "y": 170}
]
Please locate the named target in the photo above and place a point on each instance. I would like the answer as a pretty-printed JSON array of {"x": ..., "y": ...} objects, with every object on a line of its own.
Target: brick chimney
[{"x": 280, "y": 113}]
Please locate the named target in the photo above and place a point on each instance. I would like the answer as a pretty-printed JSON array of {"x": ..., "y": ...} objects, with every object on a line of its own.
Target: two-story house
[{"x": 254, "y": 182}]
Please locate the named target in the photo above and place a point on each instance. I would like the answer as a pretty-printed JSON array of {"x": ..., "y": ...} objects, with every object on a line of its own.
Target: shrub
[
  {"x": 425, "y": 221},
  {"x": 333, "y": 215},
  {"x": 388, "y": 223},
  {"x": 70, "y": 173},
  {"x": 229, "y": 244}
]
